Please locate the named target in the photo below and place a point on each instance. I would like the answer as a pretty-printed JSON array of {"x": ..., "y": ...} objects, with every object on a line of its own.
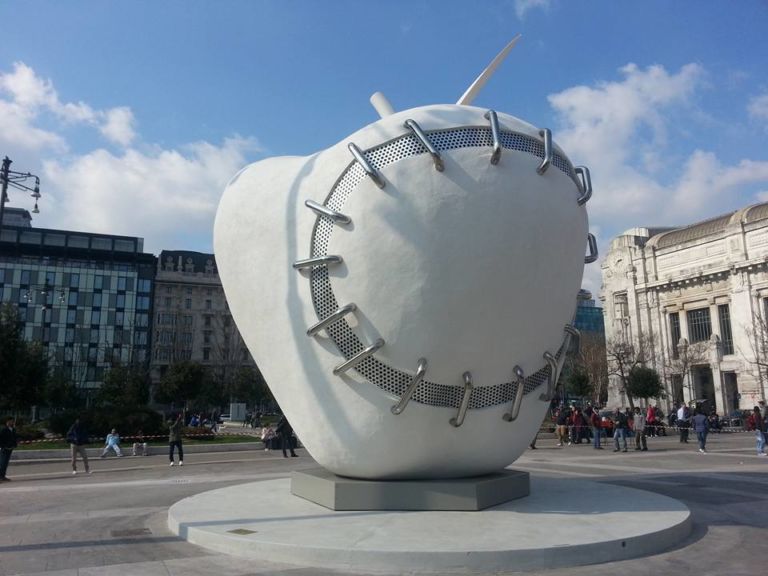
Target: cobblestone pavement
[{"x": 112, "y": 523}]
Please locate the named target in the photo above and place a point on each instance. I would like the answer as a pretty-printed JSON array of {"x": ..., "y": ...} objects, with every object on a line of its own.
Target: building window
[
  {"x": 72, "y": 301},
  {"x": 699, "y": 325},
  {"x": 142, "y": 302},
  {"x": 98, "y": 282},
  {"x": 187, "y": 320},
  {"x": 145, "y": 285},
  {"x": 96, "y": 317},
  {"x": 207, "y": 321},
  {"x": 69, "y": 335},
  {"x": 187, "y": 339},
  {"x": 2, "y": 276},
  {"x": 71, "y": 316},
  {"x": 168, "y": 302},
  {"x": 119, "y": 318},
  {"x": 166, "y": 319},
  {"x": 121, "y": 280},
  {"x": 674, "y": 332},
  {"x": 188, "y": 303},
  {"x": 74, "y": 281},
  {"x": 25, "y": 277},
  {"x": 50, "y": 278},
  {"x": 94, "y": 335},
  {"x": 97, "y": 300},
  {"x": 120, "y": 302},
  {"x": 208, "y": 304},
  {"x": 142, "y": 320},
  {"x": 140, "y": 338},
  {"x": 726, "y": 336},
  {"x": 189, "y": 290},
  {"x": 206, "y": 336},
  {"x": 206, "y": 354}
]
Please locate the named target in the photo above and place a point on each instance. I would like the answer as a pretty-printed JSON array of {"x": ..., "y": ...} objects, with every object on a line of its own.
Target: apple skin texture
[{"x": 475, "y": 268}]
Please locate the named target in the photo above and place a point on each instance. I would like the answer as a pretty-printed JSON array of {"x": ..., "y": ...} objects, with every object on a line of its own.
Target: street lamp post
[{"x": 9, "y": 177}]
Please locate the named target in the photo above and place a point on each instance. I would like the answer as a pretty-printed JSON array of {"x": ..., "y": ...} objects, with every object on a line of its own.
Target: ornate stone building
[
  {"x": 192, "y": 319},
  {"x": 695, "y": 298}
]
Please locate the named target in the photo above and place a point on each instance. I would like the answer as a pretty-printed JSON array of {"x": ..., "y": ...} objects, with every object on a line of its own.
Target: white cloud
[
  {"x": 167, "y": 196},
  {"x": 31, "y": 98},
  {"x": 118, "y": 126},
  {"x": 621, "y": 131},
  {"x": 522, "y": 7},
  {"x": 758, "y": 108},
  {"x": 629, "y": 133}
]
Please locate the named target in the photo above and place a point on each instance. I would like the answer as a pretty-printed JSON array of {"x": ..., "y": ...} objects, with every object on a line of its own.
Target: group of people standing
[{"x": 574, "y": 425}]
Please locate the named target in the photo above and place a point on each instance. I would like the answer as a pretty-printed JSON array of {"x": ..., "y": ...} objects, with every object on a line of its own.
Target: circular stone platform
[{"x": 563, "y": 522}]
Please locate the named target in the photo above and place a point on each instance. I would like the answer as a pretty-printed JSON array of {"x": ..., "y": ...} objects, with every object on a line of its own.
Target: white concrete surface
[{"x": 563, "y": 523}]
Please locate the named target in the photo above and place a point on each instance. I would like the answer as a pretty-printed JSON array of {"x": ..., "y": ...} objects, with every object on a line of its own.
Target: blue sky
[{"x": 136, "y": 114}]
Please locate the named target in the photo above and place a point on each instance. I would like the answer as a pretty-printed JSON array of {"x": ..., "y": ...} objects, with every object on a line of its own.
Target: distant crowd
[{"x": 574, "y": 425}]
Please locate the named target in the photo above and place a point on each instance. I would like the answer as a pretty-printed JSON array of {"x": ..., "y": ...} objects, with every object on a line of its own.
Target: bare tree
[
  {"x": 592, "y": 358},
  {"x": 229, "y": 355},
  {"x": 688, "y": 355}
]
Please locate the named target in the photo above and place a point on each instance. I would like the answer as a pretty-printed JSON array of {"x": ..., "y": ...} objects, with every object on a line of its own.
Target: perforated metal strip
[{"x": 378, "y": 373}]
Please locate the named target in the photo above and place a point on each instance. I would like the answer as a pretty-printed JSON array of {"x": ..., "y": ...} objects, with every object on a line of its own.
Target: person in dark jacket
[
  {"x": 621, "y": 425},
  {"x": 701, "y": 427},
  {"x": 8, "y": 441},
  {"x": 285, "y": 431},
  {"x": 175, "y": 429},
  {"x": 77, "y": 436}
]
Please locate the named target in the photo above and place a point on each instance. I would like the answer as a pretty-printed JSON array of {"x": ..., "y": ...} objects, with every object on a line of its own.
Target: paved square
[{"x": 114, "y": 521}]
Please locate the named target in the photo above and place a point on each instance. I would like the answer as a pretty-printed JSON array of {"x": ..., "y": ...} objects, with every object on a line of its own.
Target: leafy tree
[
  {"x": 61, "y": 392},
  {"x": 577, "y": 382},
  {"x": 643, "y": 382},
  {"x": 23, "y": 365},
  {"x": 183, "y": 383},
  {"x": 124, "y": 385}
]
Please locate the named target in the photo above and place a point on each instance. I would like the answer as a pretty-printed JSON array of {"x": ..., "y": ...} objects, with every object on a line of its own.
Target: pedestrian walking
[
  {"x": 701, "y": 427},
  {"x": 621, "y": 425},
  {"x": 639, "y": 423},
  {"x": 112, "y": 442},
  {"x": 285, "y": 432},
  {"x": 77, "y": 436},
  {"x": 174, "y": 439},
  {"x": 8, "y": 441}
]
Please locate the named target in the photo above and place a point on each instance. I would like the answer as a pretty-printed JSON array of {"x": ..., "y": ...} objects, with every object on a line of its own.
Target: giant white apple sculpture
[{"x": 407, "y": 292}]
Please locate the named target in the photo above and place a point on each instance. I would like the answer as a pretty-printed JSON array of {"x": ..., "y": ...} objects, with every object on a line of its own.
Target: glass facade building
[
  {"x": 589, "y": 318},
  {"x": 87, "y": 298}
]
